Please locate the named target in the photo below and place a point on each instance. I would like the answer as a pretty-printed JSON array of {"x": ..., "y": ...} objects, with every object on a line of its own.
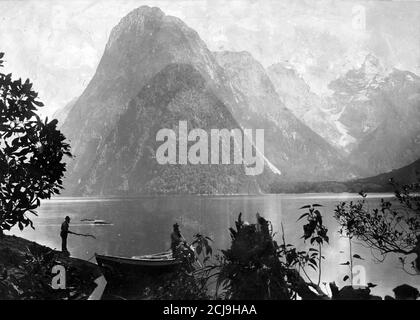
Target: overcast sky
[{"x": 58, "y": 44}]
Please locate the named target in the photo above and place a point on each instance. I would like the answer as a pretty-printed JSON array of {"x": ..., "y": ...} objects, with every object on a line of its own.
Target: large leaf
[
  {"x": 302, "y": 216},
  {"x": 305, "y": 207}
]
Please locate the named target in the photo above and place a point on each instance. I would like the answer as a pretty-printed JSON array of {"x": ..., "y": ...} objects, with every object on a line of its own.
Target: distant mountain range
[
  {"x": 295, "y": 149},
  {"x": 156, "y": 71},
  {"x": 313, "y": 110},
  {"x": 372, "y": 117},
  {"x": 380, "y": 183}
]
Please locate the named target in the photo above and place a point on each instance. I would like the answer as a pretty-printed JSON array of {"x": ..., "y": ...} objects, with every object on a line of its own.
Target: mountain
[
  {"x": 311, "y": 109},
  {"x": 405, "y": 175},
  {"x": 125, "y": 161},
  {"x": 380, "y": 183},
  {"x": 138, "y": 87},
  {"x": 62, "y": 113},
  {"x": 142, "y": 45},
  {"x": 371, "y": 117},
  {"x": 380, "y": 109},
  {"x": 352, "y": 98},
  {"x": 290, "y": 145}
]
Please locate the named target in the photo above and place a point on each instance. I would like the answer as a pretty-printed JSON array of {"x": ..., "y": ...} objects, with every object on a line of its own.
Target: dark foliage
[
  {"x": 31, "y": 153},
  {"x": 251, "y": 268},
  {"x": 26, "y": 272},
  {"x": 191, "y": 280},
  {"x": 391, "y": 228},
  {"x": 179, "y": 285}
]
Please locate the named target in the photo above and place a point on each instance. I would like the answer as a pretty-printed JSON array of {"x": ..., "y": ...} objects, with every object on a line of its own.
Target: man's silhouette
[
  {"x": 176, "y": 240},
  {"x": 64, "y": 233}
]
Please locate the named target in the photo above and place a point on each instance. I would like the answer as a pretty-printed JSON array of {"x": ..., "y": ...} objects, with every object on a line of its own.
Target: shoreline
[
  {"x": 303, "y": 195},
  {"x": 27, "y": 272}
]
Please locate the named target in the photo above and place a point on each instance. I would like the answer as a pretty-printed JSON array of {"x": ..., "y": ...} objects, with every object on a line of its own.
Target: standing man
[
  {"x": 176, "y": 240},
  {"x": 64, "y": 233}
]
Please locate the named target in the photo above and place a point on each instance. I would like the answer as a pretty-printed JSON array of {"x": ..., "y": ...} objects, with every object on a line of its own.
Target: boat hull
[{"x": 135, "y": 271}]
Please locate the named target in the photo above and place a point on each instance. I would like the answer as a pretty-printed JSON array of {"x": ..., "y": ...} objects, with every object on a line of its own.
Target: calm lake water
[{"x": 143, "y": 225}]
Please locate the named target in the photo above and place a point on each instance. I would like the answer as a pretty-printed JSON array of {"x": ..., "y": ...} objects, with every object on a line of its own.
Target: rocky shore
[{"x": 26, "y": 272}]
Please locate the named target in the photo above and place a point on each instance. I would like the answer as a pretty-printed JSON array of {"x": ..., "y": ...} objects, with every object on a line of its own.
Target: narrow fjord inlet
[{"x": 236, "y": 151}]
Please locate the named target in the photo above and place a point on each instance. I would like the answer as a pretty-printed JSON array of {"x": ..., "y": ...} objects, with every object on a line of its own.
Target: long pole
[{"x": 83, "y": 235}]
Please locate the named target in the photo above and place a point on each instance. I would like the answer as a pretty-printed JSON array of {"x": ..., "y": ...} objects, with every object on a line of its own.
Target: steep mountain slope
[
  {"x": 311, "y": 109},
  {"x": 405, "y": 175},
  {"x": 381, "y": 110},
  {"x": 352, "y": 98},
  {"x": 141, "y": 45},
  {"x": 140, "y": 49},
  {"x": 126, "y": 162},
  {"x": 290, "y": 145},
  {"x": 62, "y": 113},
  {"x": 372, "y": 116}
]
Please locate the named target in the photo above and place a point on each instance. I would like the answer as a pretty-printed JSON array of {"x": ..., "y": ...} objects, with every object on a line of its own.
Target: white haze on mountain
[{"x": 58, "y": 44}]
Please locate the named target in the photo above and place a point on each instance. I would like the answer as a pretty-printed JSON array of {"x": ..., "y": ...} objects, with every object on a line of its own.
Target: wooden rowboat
[{"x": 136, "y": 269}]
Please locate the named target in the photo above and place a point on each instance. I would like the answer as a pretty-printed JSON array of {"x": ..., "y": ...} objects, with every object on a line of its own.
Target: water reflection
[{"x": 143, "y": 226}]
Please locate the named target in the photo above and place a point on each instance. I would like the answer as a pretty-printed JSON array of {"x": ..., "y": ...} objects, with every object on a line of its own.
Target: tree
[
  {"x": 257, "y": 267},
  {"x": 31, "y": 153},
  {"x": 391, "y": 228},
  {"x": 316, "y": 231},
  {"x": 251, "y": 268}
]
